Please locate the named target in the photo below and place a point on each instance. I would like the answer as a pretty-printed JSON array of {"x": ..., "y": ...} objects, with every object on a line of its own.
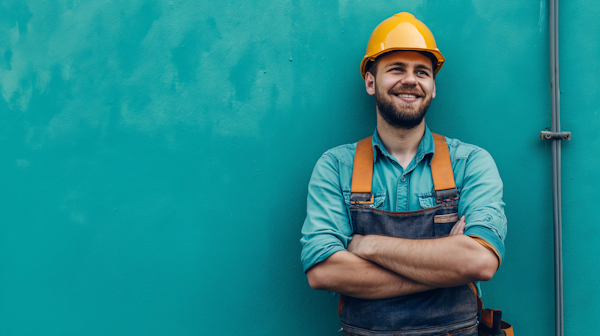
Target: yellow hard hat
[{"x": 401, "y": 32}]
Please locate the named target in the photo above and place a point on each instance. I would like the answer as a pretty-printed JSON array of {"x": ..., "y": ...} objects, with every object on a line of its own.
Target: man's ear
[
  {"x": 433, "y": 92},
  {"x": 370, "y": 83}
]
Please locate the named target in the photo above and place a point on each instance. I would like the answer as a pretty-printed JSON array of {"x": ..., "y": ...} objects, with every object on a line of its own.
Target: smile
[{"x": 408, "y": 97}]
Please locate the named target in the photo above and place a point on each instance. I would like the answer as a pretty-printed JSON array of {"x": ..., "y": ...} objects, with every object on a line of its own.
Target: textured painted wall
[
  {"x": 154, "y": 156},
  {"x": 580, "y": 114}
]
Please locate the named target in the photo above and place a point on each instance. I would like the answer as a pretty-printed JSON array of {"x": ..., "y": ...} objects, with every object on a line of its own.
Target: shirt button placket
[{"x": 402, "y": 204}]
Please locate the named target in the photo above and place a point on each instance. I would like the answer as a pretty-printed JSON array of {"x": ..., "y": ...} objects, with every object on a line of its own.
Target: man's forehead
[{"x": 405, "y": 56}]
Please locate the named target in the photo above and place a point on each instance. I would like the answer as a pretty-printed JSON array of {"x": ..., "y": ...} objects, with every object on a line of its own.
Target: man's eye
[{"x": 423, "y": 73}]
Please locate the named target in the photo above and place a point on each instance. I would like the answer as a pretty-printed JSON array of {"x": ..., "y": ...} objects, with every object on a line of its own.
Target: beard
[{"x": 405, "y": 117}]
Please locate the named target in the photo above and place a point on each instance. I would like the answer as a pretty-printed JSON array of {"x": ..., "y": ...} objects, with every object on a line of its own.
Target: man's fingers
[
  {"x": 462, "y": 225},
  {"x": 459, "y": 227}
]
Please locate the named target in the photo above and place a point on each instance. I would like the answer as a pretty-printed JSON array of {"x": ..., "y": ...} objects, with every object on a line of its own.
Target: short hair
[{"x": 372, "y": 65}]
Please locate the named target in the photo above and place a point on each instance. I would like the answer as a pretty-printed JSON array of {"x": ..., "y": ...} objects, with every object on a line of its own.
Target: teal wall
[
  {"x": 580, "y": 114},
  {"x": 154, "y": 156}
]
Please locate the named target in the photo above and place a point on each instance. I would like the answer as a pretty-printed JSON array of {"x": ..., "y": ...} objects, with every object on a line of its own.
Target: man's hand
[{"x": 459, "y": 227}]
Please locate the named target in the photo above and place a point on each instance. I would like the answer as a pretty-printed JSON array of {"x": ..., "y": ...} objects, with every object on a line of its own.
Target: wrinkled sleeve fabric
[
  {"x": 481, "y": 202},
  {"x": 327, "y": 227}
]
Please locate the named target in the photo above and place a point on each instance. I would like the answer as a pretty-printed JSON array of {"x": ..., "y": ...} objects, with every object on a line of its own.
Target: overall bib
[{"x": 442, "y": 311}]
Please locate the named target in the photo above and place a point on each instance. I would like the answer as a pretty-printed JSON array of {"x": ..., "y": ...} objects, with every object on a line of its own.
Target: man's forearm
[
  {"x": 345, "y": 273},
  {"x": 443, "y": 262}
]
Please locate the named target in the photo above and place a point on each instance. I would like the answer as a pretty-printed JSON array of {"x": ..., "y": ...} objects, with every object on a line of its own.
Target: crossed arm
[{"x": 378, "y": 267}]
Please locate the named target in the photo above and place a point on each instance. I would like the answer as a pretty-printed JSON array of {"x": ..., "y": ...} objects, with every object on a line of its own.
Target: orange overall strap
[
  {"x": 362, "y": 173},
  {"x": 441, "y": 170}
]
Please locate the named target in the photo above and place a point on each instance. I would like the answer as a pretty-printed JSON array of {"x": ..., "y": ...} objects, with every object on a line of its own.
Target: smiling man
[{"x": 404, "y": 224}]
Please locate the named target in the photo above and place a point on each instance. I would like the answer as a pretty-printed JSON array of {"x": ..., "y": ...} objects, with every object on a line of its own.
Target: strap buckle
[
  {"x": 446, "y": 196},
  {"x": 362, "y": 198}
]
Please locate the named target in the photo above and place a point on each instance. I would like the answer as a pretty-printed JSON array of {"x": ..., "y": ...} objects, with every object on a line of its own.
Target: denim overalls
[{"x": 442, "y": 311}]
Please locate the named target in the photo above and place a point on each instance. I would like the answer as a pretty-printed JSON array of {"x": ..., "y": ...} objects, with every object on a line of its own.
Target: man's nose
[{"x": 409, "y": 78}]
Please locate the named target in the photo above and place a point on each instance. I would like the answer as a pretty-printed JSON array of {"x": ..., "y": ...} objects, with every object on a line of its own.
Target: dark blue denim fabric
[
  {"x": 442, "y": 311},
  {"x": 467, "y": 328}
]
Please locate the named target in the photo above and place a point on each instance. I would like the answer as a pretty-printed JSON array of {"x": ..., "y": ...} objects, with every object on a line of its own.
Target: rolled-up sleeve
[
  {"x": 327, "y": 227},
  {"x": 481, "y": 202}
]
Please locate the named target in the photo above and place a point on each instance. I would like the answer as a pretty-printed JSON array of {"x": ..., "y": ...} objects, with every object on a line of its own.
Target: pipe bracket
[{"x": 546, "y": 135}]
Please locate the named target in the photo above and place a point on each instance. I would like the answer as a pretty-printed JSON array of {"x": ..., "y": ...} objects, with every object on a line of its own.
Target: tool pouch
[{"x": 491, "y": 324}]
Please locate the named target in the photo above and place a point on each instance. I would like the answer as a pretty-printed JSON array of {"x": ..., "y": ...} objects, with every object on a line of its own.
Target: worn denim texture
[
  {"x": 427, "y": 312},
  {"x": 467, "y": 328},
  {"x": 327, "y": 227}
]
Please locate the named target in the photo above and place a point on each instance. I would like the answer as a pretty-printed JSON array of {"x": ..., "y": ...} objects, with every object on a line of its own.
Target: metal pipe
[{"x": 556, "y": 159}]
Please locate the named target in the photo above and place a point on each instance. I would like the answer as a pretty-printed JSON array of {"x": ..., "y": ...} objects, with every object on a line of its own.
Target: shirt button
[{"x": 403, "y": 179}]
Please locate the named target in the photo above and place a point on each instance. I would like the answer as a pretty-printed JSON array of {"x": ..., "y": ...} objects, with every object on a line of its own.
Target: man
[{"x": 382, "y": 226}]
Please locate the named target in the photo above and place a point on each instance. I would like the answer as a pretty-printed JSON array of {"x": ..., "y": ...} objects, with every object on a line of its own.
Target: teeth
[{"x": 406, "y": 96}]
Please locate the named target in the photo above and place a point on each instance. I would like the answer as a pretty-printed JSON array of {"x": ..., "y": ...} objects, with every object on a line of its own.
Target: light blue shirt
[{"x": 327, "y": 228}]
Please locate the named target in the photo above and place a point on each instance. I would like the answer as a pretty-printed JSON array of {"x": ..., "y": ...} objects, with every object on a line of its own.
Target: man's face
[{"x": 403, "y": 87}]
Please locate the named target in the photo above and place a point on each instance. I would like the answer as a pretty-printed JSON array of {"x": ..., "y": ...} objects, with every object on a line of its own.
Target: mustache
[{"x": 406, "y": 90}]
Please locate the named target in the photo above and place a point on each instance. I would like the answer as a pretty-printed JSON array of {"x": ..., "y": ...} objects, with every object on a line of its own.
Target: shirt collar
[{"x": 426, "y": 146}]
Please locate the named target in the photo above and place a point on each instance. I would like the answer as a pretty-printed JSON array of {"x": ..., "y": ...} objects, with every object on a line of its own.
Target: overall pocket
[{"x": 427, "y": 200}]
